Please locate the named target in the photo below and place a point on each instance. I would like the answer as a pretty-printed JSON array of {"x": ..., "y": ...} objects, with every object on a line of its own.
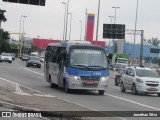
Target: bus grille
[{"x": 90, "y": 81}]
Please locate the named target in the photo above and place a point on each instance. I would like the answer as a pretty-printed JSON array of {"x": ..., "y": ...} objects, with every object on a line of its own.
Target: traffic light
[{"x": 30, "y": 2}]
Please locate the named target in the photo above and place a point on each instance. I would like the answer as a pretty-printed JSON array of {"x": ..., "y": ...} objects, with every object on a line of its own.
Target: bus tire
[
  {"x": 66, "y": 89},
  {"x": 101, "y": 92},
  {"x": 52, "y": 85}
]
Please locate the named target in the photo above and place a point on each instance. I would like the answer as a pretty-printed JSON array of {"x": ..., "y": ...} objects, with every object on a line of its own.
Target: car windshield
[
  {"x": 119, "y": 66},
  {"x": 6, "y": 54},
  {"x": 34, "y": 58},
  {"x": 147, "y": 73},
  {"x": 122, "y": 61},
  {"x": 25, "y": 55}
]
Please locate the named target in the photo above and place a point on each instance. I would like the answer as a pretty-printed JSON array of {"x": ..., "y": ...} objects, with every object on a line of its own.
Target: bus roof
[{"x": 73, "y": 43}]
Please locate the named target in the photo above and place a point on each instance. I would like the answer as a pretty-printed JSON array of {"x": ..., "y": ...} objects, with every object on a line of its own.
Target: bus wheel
[
  {"x": 52, "y": 85},
  {"x": 101, "y": 92},
  {"x": 66, "y": 89}
]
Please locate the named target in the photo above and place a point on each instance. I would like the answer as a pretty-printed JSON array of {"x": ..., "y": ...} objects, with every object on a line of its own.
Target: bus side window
[
  {"x": 53, "y": 54},
  {"x": 48, "y": 53}
]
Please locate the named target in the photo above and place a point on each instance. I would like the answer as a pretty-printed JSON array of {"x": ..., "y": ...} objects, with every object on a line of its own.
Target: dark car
[
  {"x": 13, "y": 56},
  {"x": 119, "y": 68},
  {"x": 25, "y": 57},
  {"x": 33, "y": 61},
  {"x": 118, "y": 77}
]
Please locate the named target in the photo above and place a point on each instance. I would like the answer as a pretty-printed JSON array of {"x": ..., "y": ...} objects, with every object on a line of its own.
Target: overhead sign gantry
[{"x": 30, "y": 2}]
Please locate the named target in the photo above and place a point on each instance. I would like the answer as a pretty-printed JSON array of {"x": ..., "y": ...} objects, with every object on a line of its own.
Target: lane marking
[
  {"x": 33, "y": 71},
  {"x": 11, "y": 67},
  {"x": 147, "y": 106}
]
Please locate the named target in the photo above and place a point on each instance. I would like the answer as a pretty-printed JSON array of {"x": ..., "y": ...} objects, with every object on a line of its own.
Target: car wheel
[
  {"x": 134, "y": 90},
  {"x": 0, "y": 61},
  {"x": 39, "y": 66},
  {"x": 27, "y": 65},
  {"x": 10, "y": 61},
  {"x": 122, "y": 88},
  {"x": 101, "y": 92},
  {"x": 158, "y": 94}
]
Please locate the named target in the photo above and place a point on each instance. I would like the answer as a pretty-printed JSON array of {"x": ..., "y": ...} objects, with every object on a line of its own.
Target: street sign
[
  {"x": 114, "y": 31},
  {"x": 154, "y": 50},
  {"x": 30, "y": 2}
]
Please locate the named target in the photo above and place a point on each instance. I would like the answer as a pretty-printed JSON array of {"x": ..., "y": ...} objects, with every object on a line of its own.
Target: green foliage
[
  {"x": 5, "y": 47},
  {"x": 121, "y": 56},
  {"x": 2, "y": 16},
  {"x": 4, "y": 44},
  {"x": 153, "y": 41}
]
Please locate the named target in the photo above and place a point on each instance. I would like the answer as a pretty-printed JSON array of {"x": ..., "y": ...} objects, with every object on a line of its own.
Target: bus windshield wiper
[
  {"x": 98, "y": 67},
  {"x": 78, "y": 65}
]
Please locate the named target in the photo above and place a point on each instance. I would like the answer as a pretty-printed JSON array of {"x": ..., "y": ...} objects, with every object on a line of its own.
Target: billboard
[
  {"x": 114, "y": 31},
  {"x": 154, "y": 50},
  {"x": 30, "y": 2}
]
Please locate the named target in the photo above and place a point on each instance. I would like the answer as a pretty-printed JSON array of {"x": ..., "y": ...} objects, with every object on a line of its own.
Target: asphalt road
[{"x": 113, "y": 100}]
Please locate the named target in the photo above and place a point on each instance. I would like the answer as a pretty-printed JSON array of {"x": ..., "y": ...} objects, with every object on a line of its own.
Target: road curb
[
  {"x": 9, "y": 85},
  {"x": 18, "y": 107}
]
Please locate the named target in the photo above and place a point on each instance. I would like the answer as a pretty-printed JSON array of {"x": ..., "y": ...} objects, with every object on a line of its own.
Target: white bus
[{"x": 76, "y": 66}]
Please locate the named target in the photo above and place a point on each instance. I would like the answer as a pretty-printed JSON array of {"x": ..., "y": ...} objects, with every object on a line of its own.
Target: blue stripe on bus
[{"x": 73, "y": 71}]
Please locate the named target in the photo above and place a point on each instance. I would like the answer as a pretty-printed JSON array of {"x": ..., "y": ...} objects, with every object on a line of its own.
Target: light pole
[
  {"x": 114, "y": 23},
  {"x": 111, "y": 18},
  {"x": 81, "y": 29},
  {"x": 86, "y": 26},
  {"x": 70, "y": 26},
  {"x": 111, "y": 28},
  {"x": 23, "y": 33},
  {"x": 115, "y": 14},
  {"x": 64, "y": 20},
  {"x": 97, "y": 21},
  {"x": 133, "y": 52},
  {"x": 20, "y": 40}
]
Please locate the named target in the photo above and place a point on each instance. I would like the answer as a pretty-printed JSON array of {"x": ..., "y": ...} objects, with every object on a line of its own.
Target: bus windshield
[{"x": 89, "y": 58}]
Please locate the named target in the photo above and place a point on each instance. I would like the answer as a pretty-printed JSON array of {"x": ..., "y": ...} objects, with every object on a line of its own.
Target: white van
[{"x": 34, "y": 54}]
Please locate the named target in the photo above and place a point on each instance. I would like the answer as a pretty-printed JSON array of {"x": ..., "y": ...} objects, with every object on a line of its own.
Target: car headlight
[
  {"x": 139, "y": 80},
  {"x": 104, "y": 78}
]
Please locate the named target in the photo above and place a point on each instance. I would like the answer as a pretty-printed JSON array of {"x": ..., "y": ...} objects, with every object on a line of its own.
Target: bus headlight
[
  {"x": 73, "y": 77},
  {"x": 104, "y": 79}
]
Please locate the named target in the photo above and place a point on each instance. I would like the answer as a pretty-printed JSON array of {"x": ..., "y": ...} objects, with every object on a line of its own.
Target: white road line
[
  {"x": 10, "y": 67},
  {"x": 147, "y": 106},
  {"x": 33, "y": 71}
]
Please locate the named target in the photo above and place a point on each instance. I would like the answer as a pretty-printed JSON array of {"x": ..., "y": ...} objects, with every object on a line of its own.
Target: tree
[
  {"x": 2, "y": 17},
  {"x": 4, "y": 42},
  {"x": 153, "y": 41}
]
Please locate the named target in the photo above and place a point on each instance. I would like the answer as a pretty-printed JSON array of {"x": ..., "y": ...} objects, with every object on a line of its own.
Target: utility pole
[
  {"x": 98, "y": 22},
  {"x": 141, "y": 47},
  {"x": 133, "y": 52}
]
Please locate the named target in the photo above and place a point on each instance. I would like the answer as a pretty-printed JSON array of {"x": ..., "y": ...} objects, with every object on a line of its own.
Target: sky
[{"x": 48, "y": 21}]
